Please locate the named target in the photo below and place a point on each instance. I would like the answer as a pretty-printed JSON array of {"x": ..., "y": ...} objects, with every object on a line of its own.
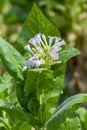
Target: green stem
[{"x": 39, "y": 112}]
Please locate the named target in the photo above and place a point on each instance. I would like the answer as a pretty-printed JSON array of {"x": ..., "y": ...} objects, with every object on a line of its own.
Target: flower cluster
[{"x": 43, "y": 51}]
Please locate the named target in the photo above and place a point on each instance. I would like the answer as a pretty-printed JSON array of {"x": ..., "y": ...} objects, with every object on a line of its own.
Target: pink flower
[{"x": 42, "y": 49}]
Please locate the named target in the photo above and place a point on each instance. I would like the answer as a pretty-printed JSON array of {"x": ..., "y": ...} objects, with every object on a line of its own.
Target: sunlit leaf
[
  {"x": 6, "y": 81},
  {"x": 12, "y": 59},
  {"x": 71, "y": 124},
  {"x": 65, "y": 110},
  {"x": 68, "y": 53},
  {"x": 15, "y": 114},
  {"x": 35, "y": 23}
]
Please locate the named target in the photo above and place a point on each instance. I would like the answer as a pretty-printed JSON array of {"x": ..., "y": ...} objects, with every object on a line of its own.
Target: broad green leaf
[
  {"x": 52, "y": 97},
  {"x": 68, "y": 53},
  {"x": 43, "y": 78},
  {"x": 38, "y": 82},
  {"x": 35, "y": 23},
  {"x": 65, "y": 110},
  {"x": 25, "y": 126},
  {"x": 6, "y": 81},
  {"x": 8, "y": 88},
  {"x": 16, "y": 115},
  {"x": 43, "y": 84},
  {"x": 12, "y": 59},
  {"x": 23, "y": 100},
  {"x": 71, "y": 124}
]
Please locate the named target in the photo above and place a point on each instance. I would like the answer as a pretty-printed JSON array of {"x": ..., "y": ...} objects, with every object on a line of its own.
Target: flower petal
[
  {"x": 24, "y": 68},
  {"x": 29, "y": 63},
  {"x": 51, "y": 40},
  {"x": 54, "y": 55},
  {"x": 38, "y": 38},
  {"x": 62, "y": 42},
  {"x": 38, "y": 63},
  {"x": 36, "y": 57},
  {"x": 28, "y": 48},
  {"x": 57, "y": 39},
  {"x": 44, "y": 39},
  {"x": 32, "y": 41},
  {"x": 58, "y": 43}
]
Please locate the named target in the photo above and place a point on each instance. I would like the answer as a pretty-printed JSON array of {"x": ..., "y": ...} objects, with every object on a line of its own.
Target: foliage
[
  {"x": 68, "y": 124},
  {"x": 38, "y": 89},
  {"x": 82, "y": 114}
]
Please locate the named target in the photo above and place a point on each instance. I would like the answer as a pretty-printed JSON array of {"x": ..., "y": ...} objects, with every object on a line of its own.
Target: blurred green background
[{"x": 69, "y": 16}]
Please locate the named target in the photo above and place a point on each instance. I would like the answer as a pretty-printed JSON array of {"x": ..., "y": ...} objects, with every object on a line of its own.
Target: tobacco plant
[{"x": 37, "y": 68}]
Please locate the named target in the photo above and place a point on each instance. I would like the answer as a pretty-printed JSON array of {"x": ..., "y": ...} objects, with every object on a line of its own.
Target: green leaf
[
  {"x": 82, "y": 114},
  {"x": 6, "y": 81},
  {"x": 4, "y": 123},
  {"x": 65, "y": 110},
  {"x": 43, "y": 84},
  {"x": 38, "y": 81},
  {"x": 53, "y": 93},
  {"x": 16, "y": 115},
  {"x": 71, "y": 124},
  {"x": 25, "y": 126},
  {"x": 68, "y": 53},
  {"x": 12, "y": 59},
  {"x": 23, "y": 100},
  {"x": 40, "y": 75},
  {"x": 35, "y": 23}
]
